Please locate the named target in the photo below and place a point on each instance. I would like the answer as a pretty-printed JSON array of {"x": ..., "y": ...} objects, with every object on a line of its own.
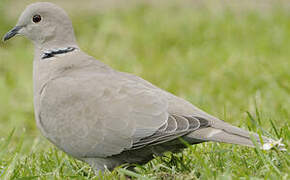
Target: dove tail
[{"x": 226, "y": 133}]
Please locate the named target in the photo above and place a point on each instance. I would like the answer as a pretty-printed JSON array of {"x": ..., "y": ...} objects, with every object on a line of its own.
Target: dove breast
[{"x": 94, "y": 114}]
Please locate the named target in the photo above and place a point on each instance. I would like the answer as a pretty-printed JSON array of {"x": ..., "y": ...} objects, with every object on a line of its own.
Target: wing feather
[{"x": 175, "y": 127}]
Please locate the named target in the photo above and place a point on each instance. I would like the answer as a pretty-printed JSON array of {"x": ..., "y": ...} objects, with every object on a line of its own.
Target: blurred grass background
[{"x": 226, "y": 57}]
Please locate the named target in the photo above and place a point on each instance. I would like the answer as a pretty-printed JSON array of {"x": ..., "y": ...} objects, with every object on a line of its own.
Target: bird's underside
[
  {"x": 124, "y": 121},
  {"x": 128, "y": 114},
  {"x": 166, "y": 138}
]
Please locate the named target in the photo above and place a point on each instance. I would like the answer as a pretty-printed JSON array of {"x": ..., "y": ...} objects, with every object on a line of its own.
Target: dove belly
[
  {"x": 89, "y": 117},
  {"x": 69, "y": 124},
  {"x": 68, "y": 115}
]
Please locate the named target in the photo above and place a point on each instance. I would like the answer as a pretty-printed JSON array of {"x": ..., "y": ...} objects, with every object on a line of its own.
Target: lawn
[{"x": 231, "y": 61}]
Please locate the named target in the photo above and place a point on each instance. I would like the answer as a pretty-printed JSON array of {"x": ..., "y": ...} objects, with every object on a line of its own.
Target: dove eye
[{"x": 36, "y": 18}]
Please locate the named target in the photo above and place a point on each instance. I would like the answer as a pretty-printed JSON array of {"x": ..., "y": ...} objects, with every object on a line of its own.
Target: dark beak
[{"x": 12, "y": 33}]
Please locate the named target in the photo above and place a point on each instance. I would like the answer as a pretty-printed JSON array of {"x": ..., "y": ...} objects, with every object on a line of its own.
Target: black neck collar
[{"x": 51, "y": 53}]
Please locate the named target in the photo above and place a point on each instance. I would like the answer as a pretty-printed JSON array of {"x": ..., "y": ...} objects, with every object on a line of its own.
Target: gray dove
[{"x": 102, "y": 116}]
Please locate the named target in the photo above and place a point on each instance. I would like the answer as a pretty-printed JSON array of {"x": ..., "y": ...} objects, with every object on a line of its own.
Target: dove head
[{"x": 46, "y": 25}]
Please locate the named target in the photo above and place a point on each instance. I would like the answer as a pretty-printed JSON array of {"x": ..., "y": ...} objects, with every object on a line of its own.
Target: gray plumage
[{"x": 102, "y": 116}]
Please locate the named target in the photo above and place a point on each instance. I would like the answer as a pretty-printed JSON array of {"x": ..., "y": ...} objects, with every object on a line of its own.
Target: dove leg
[{"x": 101, "y": 164}]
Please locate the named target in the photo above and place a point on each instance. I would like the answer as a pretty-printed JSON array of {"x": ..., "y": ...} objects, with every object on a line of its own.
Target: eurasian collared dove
[{"x": 102, "y": 116}]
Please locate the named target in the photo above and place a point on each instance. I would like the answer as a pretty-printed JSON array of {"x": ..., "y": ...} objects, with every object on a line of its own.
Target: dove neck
[
  {"x": 56, "y": 38},
  {"x": 39, "y": 52},
  {"x": 55, "y": 45}
]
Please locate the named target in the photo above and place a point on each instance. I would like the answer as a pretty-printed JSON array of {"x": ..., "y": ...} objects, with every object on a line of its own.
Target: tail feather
[
  {"x": 232, "y": 130},
  {"x": 226, "y": 133}
]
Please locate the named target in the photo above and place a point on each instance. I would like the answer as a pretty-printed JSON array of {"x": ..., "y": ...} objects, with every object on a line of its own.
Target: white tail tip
[{"x": 273, "y": 143}]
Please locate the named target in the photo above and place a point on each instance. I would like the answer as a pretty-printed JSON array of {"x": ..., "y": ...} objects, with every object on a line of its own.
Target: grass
[{"x": 233, "y": 64}]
